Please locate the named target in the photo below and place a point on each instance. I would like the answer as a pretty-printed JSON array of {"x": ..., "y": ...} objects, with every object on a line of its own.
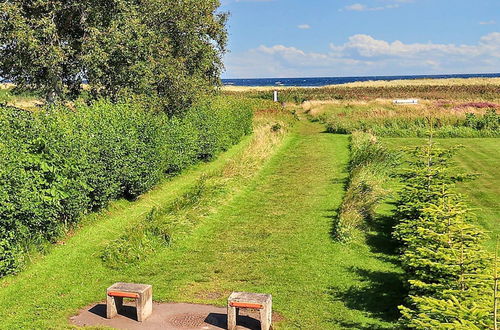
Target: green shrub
[
  {"x": 59, "y": 163},
  {"x": 393, "y": 121}
]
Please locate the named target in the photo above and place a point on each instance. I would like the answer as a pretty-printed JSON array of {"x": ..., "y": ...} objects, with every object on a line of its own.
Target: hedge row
[{"x": 58, "y": 164}]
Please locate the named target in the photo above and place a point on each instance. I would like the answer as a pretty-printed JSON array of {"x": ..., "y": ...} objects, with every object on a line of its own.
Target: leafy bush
[
  {"x": 58, "y": 164},
  {"x": 489, "y": 121}
]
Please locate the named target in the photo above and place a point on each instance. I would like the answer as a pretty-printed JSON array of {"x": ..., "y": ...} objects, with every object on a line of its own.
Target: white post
[{"x": 275, "y": 96}]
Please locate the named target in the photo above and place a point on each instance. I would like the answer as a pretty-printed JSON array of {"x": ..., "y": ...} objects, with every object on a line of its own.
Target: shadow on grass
[
  {"x": 354, "y": 325},
  {"x": 380, "y": 294},
  {"x": 379, "y": 237}
]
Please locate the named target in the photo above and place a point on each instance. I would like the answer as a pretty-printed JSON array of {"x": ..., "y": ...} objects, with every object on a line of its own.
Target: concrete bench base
[
  {"x": 260, "y": 301},
  {"x": 142, "y": 293}
]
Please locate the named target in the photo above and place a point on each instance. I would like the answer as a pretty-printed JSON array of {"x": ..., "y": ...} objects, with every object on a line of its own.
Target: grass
[
  {"x": 275, "y": 237},
  {"x": 477, "y": 156},
  {"x": 72, "y": 274},
  {"x": 272, "y": 234},
  {"x": 381, "y": 117}
]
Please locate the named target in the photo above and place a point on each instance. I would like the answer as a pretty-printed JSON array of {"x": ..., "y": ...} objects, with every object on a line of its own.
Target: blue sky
[{"x": 311, "y": 38}]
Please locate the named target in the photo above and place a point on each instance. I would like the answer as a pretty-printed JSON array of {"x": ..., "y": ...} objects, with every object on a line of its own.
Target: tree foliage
[
  {"x": 165, "y": 49},
  {"x": 442, "y": 254}
]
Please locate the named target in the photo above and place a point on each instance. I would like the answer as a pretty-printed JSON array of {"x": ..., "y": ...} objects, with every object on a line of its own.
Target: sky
[{"x": 335, "y": 38}]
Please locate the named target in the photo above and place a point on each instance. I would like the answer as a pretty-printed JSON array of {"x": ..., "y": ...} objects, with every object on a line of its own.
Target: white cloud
[
  {"x": 304, "y": 26},
  {"x": 362, "y": 54},
  {"x": 362, "y": 7},
  {"x": 356, "y": 7},
  {"x": 492, "y": 22}
]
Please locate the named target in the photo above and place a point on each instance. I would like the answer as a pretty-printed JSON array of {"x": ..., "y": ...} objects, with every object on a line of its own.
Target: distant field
[
  {"x": 424, "y": 82},
  {"x": 485, "y": 89},
  {"x": 23, "y": 100}
]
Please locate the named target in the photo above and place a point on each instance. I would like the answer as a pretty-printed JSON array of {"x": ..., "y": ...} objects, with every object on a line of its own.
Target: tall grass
[
  {"x": 484, "y": 90},
  {"x": 387, "y": 120},
  {"x": 368, "y": 167}
]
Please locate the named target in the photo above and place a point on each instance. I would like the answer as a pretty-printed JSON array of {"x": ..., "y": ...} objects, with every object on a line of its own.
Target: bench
[
  {"x": 141, "y": 293},
  {"x": 260, "y": 301}
]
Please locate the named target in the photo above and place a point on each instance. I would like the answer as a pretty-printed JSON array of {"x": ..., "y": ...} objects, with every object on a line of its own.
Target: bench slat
[
  {"x": 123, "y": 294},
  {"x": 245, "y": 305}
]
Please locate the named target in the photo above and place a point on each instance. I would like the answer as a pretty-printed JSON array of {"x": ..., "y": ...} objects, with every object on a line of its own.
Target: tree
[
  {"x": 169, "y": 51},
  {"x": 443, "y": 257},
  {"x": 40, "y": 45},
  {"x": 166, "y": 49}
]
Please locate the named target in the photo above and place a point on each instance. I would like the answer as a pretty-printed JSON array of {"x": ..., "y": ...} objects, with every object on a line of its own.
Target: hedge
[{"x": 58, "y": 164}]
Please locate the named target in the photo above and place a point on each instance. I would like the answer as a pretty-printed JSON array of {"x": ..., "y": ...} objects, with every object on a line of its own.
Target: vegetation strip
[
  {"x": 58, "y": 164},
  {"x": 445, "y": 118},
  {"x": 485, "y": 89},
  {"x": 368, "y": 168}
]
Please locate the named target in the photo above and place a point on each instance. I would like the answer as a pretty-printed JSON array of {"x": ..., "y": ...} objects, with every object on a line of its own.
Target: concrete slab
[{"x": 173, "y": 316}]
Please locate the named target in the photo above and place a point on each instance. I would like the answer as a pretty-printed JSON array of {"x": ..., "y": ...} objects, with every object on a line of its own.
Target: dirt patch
[{"x": 173, "y": 316}]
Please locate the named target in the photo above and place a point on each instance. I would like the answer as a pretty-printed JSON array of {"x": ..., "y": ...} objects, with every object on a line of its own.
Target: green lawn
[
  {"x": 478, "y": 155},
  {"x": 272, "y": 236}
]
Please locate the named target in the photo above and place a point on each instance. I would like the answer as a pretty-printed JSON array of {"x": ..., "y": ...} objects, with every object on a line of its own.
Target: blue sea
[{"x": 317, "y": 82}]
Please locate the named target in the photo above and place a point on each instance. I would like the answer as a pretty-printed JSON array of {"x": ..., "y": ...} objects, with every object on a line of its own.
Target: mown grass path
[{"x": 273, "y": 237}]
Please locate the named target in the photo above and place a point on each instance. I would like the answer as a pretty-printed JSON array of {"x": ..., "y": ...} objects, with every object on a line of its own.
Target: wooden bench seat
[
  {"x": 141, "y": 293},
  {"x": 260, "y": 301}
]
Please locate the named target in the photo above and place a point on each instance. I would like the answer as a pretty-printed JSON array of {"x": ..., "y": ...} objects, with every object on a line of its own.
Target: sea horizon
[{"x": 324, "y": 81}]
